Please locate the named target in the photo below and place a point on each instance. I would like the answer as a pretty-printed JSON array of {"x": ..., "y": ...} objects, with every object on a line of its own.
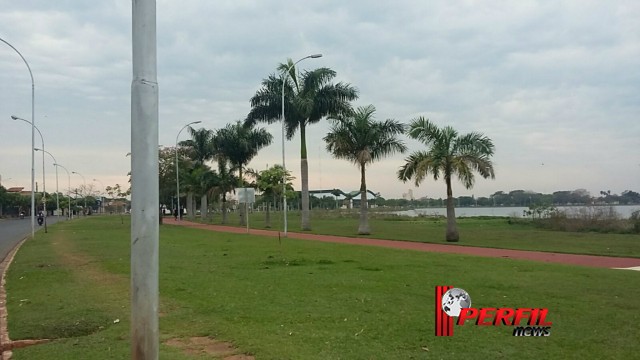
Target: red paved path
[{"x": 571, "y": 259}]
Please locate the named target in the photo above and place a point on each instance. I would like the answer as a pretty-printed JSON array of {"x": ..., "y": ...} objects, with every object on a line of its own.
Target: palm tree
[
  {"x": 448, "y": 154},
  {"x": 206, "y": 180},
  {"x": 190, "y": 182},
  {"x": 225, "y": 182},
  {"x": 361, "y": 140},
  {"x": 238, "y": 144},
  {"x": 309, "y": 97},
  {"x": 199, "y": 149},
  {"x": 200, "y": 146}
]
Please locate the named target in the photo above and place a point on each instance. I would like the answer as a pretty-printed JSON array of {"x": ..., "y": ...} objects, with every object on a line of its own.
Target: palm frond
[
  {"x": 417, "y": 166},
  {"x": 360, "y": 139},
  {"x": 312, "y": 80}
]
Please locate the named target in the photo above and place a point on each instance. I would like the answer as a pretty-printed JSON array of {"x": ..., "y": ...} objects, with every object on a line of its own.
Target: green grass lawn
[
  {"x": 303, "y": 299},
  {"x": 482, "y": 232}
]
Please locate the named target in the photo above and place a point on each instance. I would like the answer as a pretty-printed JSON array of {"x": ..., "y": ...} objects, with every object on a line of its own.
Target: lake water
[{"x": 623, "y": 210}]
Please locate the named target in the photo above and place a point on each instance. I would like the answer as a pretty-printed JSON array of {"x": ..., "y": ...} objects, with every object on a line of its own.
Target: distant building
[
  {"x": 408, "y": 195},
  {"x": 18, "y": 189}
]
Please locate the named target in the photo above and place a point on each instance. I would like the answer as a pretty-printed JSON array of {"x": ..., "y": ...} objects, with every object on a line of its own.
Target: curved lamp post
[
  {"x": 33, "y": 142},
  {"x": 44, "y": 185},
  {"x": 84, "y": 181},
  {"x": 178, "y": 170},
  {"x": 101, "y": 193},
  {"x": 285, "y": 75},
  {"x": 54, "y": 162},
  {"x": 68, "y": 189}
]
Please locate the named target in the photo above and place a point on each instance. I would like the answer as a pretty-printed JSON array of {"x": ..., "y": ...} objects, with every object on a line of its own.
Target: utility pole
[{"x": 144, "y": 184}]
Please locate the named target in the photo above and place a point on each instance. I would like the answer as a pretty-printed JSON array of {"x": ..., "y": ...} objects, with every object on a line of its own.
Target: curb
[{"x": 5, "y": 342}]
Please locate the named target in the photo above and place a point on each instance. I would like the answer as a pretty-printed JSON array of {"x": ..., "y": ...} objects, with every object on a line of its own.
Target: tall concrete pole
[{"x": 144, "y": 184}]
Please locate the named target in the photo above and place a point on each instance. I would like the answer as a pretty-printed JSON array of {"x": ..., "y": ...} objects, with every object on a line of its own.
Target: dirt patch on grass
[
  {"x": 117, "y": 285},
  {"x": 202, "y": 345}
]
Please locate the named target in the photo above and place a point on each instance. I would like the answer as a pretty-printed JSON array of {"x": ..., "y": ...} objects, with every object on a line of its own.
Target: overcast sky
[{"x": 555, "y": 84}]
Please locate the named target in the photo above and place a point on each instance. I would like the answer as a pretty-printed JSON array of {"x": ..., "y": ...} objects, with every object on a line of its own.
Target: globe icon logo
[{"x": 454, "y": 300}]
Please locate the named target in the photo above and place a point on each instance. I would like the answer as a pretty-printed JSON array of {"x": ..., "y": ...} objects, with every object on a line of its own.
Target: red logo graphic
[
  {"x": 444, "y": 322},
  {"x": 455, "y": 302}
]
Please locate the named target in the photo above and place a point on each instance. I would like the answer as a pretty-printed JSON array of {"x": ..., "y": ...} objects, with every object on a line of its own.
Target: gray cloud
[{"x": 551, "y": 82}]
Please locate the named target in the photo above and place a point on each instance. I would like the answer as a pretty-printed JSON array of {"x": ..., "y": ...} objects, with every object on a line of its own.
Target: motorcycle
[{"x": 40, "y": 220}]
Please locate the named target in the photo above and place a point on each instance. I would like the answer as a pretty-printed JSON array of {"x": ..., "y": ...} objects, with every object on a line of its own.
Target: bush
[
  {"x": 594, "y": 218},
  {"x": 635, "y": 221}
]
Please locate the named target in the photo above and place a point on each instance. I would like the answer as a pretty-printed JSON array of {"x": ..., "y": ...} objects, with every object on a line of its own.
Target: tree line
[
  {"x": 13, "y": 203},
  {"x": 520, "y": 198}
]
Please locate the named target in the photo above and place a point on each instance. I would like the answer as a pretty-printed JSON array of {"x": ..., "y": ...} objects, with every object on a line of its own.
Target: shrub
[
  {"x": 594, "y": 218},
  {"x": 635, "y": 221}
]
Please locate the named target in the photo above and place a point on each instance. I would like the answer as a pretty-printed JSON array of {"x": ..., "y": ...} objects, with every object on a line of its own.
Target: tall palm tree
[
  {"x": 206, "y": 179},
  {"x": 200, "y": 146},
  {"x": 448, "y": 154},
  {"x": 225, "y": 182},
  {"x": 200, "y": 150},
  {"x": 361, "y": 140},
  {"x": 239, "y": 143},
  {"x": 309, "y": 97}
]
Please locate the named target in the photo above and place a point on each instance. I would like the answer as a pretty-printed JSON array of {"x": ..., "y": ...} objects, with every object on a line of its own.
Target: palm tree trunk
[
  {"x": 363, "y": 228},
  {"x": 190, "y": 212},
  {"x": 452, "y": 229},
  {"x": 268, "y": 219},
  {"x": 243, "y": 207},
  {"x": 203, "y": 207},
  {"x": 224, "y": 208},
  {"x": 304, "y": 179}
]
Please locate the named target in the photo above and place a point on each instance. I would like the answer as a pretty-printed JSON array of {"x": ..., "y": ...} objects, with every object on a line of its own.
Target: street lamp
[
  {"x": 68, "y": 189},
  {"x": 178, "y": 170},
  {"x": 101, "y": 193},
  {"x": 54, "y": 162},
  {"x": 44, "y": 186},
  {"x": 285, "y": 75},
  {"x": 84, "y": 181},
  {"x": 33, "y": 142}
]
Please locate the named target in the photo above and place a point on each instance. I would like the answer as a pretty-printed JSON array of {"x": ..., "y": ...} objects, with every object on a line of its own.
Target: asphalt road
[{"x": 14, "y": 230}]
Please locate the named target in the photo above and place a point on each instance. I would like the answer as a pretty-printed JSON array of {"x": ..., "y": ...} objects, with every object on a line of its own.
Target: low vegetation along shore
[{"x": 252, "y": 295}]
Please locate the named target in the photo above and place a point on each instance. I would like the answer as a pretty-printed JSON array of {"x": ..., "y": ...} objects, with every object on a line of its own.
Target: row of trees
[
  {"x": 355, "y": 136},
  {"x": 12, "y": 203},
  {"x": 565, "y": 197},
  {"x": 520, "y": 198},
  {"x": 231, "y": 148}
]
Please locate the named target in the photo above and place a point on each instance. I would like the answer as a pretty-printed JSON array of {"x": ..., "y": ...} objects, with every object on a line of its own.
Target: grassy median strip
[
  {"x": 303, "y": 299},
  {"x": 491, "y": 232}
]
